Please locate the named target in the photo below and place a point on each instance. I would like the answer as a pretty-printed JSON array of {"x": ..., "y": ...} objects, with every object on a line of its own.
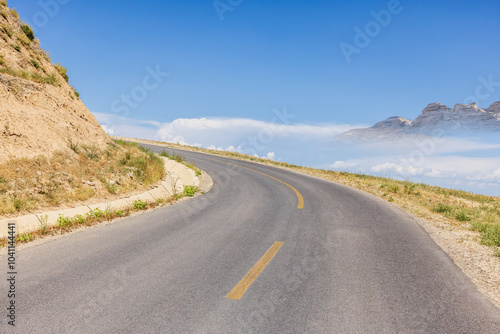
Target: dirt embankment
[{"x": 39, "y": 111}]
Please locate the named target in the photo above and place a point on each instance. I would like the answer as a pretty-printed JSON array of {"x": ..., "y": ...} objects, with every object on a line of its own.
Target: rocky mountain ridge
[{"x": 435, "y": 120}]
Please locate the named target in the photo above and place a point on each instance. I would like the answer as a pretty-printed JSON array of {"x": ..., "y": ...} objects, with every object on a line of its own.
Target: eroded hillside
[{"x": 39, "y": 111}]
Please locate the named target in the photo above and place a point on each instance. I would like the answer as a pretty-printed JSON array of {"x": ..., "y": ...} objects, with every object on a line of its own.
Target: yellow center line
[
  {"x": 246, "y": 281},
  {"x": 300, "y": 204}
]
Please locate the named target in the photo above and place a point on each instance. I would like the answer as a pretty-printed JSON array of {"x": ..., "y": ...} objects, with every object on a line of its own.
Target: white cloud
[
  {"x": 237, "y": 134},
  {"x": 233, "y": 149},
  {"x": 109, "y": 130},
  {"x": 179, "y": 140},
  {"x": 396, "y": 168},
  {"x": 344, "y": 164},
  {"x": 271, "y": 156},
  {"x": 442, "y": 161},
  {"x": 434, "y": 173},
  {"x": 193, "y": 128},
  {"x": 491, "y": 177}
]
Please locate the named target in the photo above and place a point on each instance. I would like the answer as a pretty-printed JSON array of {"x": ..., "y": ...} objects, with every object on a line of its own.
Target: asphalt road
[{"x": 348, "y": 263}]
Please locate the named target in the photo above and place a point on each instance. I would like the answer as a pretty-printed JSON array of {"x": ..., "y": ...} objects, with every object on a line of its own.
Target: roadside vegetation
[
  {"x": 461, "y": 209},
  {"x": 96, "y": 216},
  {"x": 68, "y": 224},
  {"x": 77, "y": 175},
  {"x": 178, "y": 158}
]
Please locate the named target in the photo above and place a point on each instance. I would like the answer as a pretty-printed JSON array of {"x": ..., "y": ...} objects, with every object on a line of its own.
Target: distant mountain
[{"x": 436, "y": 120}]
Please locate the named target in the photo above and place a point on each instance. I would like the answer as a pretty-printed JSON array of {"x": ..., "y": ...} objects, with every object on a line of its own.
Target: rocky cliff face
[
  {"x": 39, "y": 111},
  {"x": 436, "y": 119}
]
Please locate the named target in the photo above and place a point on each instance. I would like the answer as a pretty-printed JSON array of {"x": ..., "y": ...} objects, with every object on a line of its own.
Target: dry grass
[
  {"x": 75, "y": 176},
  {"x": 459, "y": 208},
  {"x": 68, "y": 224},
  {"x": 19, "y": 37},
  {"x": 33, "y": 76}
]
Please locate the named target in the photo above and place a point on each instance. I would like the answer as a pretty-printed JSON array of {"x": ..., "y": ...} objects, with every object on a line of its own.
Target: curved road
[{"x": 348, "y": 263}]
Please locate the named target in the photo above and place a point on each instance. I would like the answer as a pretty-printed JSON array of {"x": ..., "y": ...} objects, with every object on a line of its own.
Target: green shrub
[
  {"x": 409, "y": 188},
  {"x": 172, "y": 156},
  {"x": 78, "y": 219},
  {"x": 35, "y": 63},
  {"x": 462, "y": 216},
  {"x": 7, "y": 29},
  {"x": 2, "y": 60},
  {"x": 43, "y": 225},
  {"x": 28, "y": 31},
  {"x": 73, "y": 146},
  {"x": 189, "y": 191},
  {"x": 23, "y": 39},
  {"x": 197, "y": 171},
  {"x": 490, "y": 234},
  {"x": 48, "y": 79},
  {"x": 394, "y": 188},
  {"x": 140, "y": 205},
  {"x": 24, "y": 237},
  {"x": 16, "y": 47},
  {"x": 63, "y": 221},
  {"x": 62, "y": 71},
  {"x": 442, "y": 208}
]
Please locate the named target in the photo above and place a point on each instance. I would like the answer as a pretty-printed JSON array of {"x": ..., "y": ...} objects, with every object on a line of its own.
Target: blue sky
[
  {"x": 268, "y": 54},
  {"x": 250, "y": 57}
]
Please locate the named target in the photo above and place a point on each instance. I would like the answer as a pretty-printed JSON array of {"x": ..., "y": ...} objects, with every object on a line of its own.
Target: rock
[
  {"x": 393, "y": 122},
  {"x": 436, "y": 120},
  {"x": 111, "y": 183},
  {"x": 17, "y": 170},
  {"x": 39, "y": 173},
  {"x": 495, "y": 107},
  {"x": 435, "y": 107},
  {"x": 64, "y": 173},
  {"x": 92, "y": 184},
  {"x": 118, "y": 182},
  {"x": 131, "y": 175}
]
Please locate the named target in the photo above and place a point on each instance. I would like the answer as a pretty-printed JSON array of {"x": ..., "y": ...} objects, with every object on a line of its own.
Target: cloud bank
[
  {"x": 232, "y": 134},
  {"x": 459, "y": 163}
]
